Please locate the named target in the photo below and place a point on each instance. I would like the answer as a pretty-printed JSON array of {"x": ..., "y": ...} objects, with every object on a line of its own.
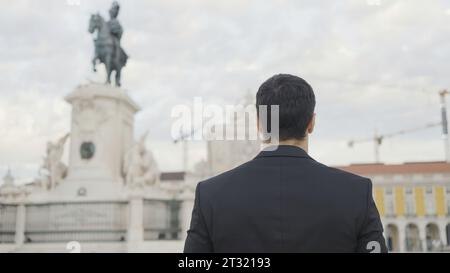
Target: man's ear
[{"x": 312, "y": 124}]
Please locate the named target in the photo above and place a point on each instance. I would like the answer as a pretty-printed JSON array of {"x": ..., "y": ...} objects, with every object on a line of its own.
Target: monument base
[{"x": 100, "y": 137}]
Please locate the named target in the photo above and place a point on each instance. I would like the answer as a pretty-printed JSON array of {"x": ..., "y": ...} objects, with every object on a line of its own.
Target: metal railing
[
  {"x": 86, "y": 221},
  {"x": 8, "y": 214},
  {"x": 161, "y": 219}
]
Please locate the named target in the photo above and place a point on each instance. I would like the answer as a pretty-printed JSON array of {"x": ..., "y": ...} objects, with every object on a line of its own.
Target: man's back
[{"x": 284, "y": 201}]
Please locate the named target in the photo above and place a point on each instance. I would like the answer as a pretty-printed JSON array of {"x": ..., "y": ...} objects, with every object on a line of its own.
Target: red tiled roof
[{"x": 406, "y": 168}]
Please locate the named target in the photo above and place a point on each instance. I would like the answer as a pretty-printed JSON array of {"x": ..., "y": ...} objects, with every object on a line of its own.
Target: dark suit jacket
[{"x": 285, "y": 201}]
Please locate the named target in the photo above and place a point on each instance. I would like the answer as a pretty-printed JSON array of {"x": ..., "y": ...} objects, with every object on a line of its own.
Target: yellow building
[{"x": 413, "y": 200}]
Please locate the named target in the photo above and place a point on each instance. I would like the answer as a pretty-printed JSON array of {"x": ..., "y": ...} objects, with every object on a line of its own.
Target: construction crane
[
  {"x": 444, "y": 123},
  {"x": 184, "y": 137},
  {"x": 378, "y": 139}
]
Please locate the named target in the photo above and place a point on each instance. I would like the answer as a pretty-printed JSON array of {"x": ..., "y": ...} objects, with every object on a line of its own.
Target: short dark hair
[{"x": 296, "y": 101}]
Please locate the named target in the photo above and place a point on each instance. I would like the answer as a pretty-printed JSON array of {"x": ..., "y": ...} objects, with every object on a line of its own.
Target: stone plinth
[{"x": 101, "y": 133}]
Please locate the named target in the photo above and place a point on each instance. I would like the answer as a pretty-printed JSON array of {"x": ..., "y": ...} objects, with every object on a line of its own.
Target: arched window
[
  {"x": 392, "y": 240},
  {"x": 433, "y": 238},
  {"x": 412, "y": 238}
]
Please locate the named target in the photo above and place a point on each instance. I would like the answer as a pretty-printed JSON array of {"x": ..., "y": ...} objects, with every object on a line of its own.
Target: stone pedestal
[
  {"x": 186, "y": 212},
  {"x": 135, "y": 223},
  {"x": 101, "y": 133},
  {"x": 20, "y": 225}
]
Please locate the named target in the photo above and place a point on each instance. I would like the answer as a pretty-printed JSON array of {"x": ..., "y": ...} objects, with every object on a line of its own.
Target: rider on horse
[
  {"x": 115, "y": 28},
  {"x": 107, "y": 44}
]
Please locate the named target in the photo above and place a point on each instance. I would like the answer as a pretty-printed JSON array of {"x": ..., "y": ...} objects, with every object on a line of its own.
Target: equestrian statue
[{"x": 107, "y": 44}]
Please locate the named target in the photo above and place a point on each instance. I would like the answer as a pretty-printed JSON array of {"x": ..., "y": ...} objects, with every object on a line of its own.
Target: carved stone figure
[
  {"x": 107, "y": 44},
  {"x": 54, "y": 169},
  {"x": 139, "y": 166}
]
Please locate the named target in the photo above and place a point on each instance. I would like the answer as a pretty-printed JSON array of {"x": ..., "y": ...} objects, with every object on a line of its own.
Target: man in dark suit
[{"x": 283, "y": 200}]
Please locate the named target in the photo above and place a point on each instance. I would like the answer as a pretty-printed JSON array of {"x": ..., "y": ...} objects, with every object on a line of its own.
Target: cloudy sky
[{"x": 373, "y": 65}]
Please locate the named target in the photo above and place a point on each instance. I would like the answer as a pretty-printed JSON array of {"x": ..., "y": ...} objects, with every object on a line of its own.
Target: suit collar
[{"x": 283, "y": 151}]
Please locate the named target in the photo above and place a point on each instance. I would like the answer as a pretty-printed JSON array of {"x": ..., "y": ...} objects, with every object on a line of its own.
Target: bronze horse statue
[{"x": 107, "y": 46}]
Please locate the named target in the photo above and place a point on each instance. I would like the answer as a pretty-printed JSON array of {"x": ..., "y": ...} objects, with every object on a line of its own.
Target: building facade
[{"x": 413, "y": 200}]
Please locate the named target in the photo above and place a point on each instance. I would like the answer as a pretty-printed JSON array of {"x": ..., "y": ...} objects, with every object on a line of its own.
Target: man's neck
[{"x": 301, "y": 143}]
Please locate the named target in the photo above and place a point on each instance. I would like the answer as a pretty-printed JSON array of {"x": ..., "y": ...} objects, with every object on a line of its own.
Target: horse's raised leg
[
  {"x": 94, "y": 60},
  {"x": 108, "y": 70},
  {"x": 118, "y": 77}
]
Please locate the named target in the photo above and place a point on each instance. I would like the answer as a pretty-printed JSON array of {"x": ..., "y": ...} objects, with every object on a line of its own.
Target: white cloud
[{"x": 369, "y": 66}]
